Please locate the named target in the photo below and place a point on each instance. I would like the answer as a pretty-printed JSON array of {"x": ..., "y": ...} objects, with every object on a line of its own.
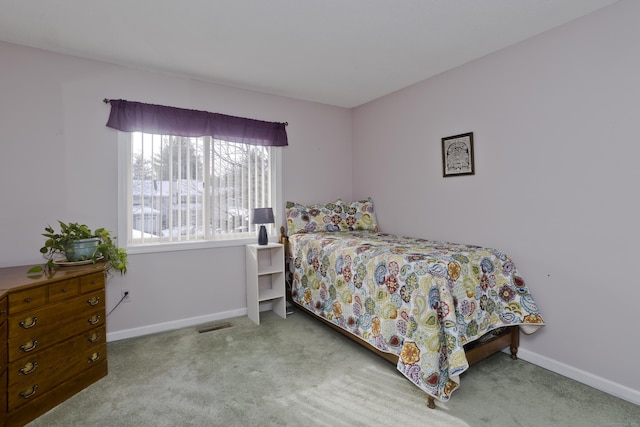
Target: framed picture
[{"x": 457, "y": 155}]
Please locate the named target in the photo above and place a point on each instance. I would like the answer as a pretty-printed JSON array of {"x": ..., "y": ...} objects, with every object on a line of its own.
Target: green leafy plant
[{"x": 59, "y": 245}]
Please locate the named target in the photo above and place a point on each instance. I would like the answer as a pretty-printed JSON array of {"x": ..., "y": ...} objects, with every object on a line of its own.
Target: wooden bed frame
[{"x": 474, "y": 352}]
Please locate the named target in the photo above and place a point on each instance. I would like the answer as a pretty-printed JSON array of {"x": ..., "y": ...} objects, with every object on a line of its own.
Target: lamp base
[{"x": 263, "y": 239}]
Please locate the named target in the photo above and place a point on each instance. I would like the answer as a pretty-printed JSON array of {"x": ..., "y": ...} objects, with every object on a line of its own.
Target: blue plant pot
[{"x": 81, "y": 250}]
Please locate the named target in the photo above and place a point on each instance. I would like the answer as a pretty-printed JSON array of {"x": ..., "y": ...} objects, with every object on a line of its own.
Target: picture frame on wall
[{"x": 457, "y": 155}]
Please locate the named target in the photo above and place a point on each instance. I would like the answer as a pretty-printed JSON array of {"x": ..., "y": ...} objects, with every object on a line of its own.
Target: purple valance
[{"x": 131, "y": 116}]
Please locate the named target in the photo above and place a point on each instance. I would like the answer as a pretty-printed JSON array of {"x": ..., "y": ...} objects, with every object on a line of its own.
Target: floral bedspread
[{"x": 422, "y": 300}]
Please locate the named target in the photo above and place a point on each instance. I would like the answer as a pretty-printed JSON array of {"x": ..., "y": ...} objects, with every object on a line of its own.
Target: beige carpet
[{"x": 298, "y": 372}]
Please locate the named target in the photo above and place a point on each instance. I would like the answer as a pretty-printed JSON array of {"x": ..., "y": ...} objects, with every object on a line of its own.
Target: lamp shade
[{"x": 262, "y": 216}]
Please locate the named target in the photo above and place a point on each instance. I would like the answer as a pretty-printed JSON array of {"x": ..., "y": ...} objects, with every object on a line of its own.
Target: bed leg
[
  {"x": 515, "y": 342},
  {"x": 431, "y": 403}
]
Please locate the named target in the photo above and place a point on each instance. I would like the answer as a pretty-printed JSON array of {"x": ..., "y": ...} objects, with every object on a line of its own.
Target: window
[{"x": 193, "y": 189}]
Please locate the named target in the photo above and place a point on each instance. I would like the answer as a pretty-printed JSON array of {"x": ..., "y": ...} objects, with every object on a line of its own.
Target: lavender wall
[
  {"x": 555, "y": 121},
  {"x": 58, "y": 161}
]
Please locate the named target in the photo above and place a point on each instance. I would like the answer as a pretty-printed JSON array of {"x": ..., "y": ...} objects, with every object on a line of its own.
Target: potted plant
[{"x": 77, "y": 243}]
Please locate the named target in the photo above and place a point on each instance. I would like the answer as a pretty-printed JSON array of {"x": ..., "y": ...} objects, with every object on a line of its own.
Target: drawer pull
[
  {"x": 29, "y": 392},
  {"x": 94, "y": 338},
  {"x": 29, "y": 322},
  {"x": 29, "y": 346},
  {"x": 94, "y": 357},
  {"x": 28, "y": 300},
  {"x": 65, "y": 290},
  {"x": 94, "y": 320},
  {"x": 93, "y": 301},
  {"x": 28, "y": 368}
]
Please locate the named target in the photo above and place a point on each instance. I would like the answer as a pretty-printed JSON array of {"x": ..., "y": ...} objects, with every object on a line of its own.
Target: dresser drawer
[
  {"x": 4, "y": 309},
  {"x": 63, "y": 290},
  {"x": 3, "y": 400},
  {"x": 3, "y": 348},
  {"x": 35, "y": 320},
  {"x": 32, "y": 342},
  {"x": 27, "y": 299},
  {"x": 52, "y": 361},
  {"x": 26, "y": 391},
  {"x": 92, "y": 282}
]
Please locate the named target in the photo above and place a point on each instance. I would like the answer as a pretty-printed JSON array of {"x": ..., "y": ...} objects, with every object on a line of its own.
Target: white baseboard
[
  {"x": 599, "y": 383},
  {"x": 175, "y": 324}
]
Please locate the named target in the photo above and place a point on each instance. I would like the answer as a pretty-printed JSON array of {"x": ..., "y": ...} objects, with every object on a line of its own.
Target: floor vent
[{"x": 215, "y": 327}]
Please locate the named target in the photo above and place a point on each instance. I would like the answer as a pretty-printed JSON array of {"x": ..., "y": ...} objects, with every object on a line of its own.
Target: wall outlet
[{"x": 126, "y": 295}]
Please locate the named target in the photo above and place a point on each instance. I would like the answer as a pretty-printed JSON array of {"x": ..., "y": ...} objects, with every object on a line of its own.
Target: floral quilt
[{"x": 422, "y": 300}]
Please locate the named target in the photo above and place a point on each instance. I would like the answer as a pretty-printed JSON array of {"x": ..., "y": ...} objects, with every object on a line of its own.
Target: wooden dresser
[{"x": 52, "y": 338}]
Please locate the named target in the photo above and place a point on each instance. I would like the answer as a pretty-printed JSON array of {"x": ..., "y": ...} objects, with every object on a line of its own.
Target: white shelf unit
[{"x": 265, "y": 279}]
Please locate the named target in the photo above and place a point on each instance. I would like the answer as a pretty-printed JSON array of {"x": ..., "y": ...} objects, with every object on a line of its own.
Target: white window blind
[{"x": 185, "y": 189}]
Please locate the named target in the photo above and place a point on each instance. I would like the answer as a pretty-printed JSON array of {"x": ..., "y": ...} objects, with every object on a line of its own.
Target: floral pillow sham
[
  {"x": 359, "y": 216},
  {"x": 333, "y": 216},
  {"x": 313, "y": 218}
]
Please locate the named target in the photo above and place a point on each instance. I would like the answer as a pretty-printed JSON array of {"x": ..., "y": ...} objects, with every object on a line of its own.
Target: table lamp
[{"x": 262, "y": 216}]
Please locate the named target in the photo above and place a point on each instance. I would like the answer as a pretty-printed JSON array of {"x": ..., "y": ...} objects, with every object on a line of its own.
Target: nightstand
[{"x": 265, "y": 279}]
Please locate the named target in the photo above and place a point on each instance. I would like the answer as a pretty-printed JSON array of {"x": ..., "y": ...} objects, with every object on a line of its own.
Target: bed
[{"x": 431, "y": 308}]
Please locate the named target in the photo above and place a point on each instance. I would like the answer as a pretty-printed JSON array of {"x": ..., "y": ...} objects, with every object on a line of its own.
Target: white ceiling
[{"x": 338, "y": 52}]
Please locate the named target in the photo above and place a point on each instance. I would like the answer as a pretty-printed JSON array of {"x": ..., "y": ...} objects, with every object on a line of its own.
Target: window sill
[{"x": 189, "y": 246}]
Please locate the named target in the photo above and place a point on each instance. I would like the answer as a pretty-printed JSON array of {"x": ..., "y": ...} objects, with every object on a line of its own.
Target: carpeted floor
[{"x": 298, "y": 372}]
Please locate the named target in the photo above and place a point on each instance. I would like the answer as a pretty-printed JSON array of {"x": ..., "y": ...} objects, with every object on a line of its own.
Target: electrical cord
[{"x": 125, "y": 295}]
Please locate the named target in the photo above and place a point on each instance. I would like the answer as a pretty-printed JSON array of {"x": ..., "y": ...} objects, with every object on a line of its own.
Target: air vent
[{"x": 215, "y": 327}]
